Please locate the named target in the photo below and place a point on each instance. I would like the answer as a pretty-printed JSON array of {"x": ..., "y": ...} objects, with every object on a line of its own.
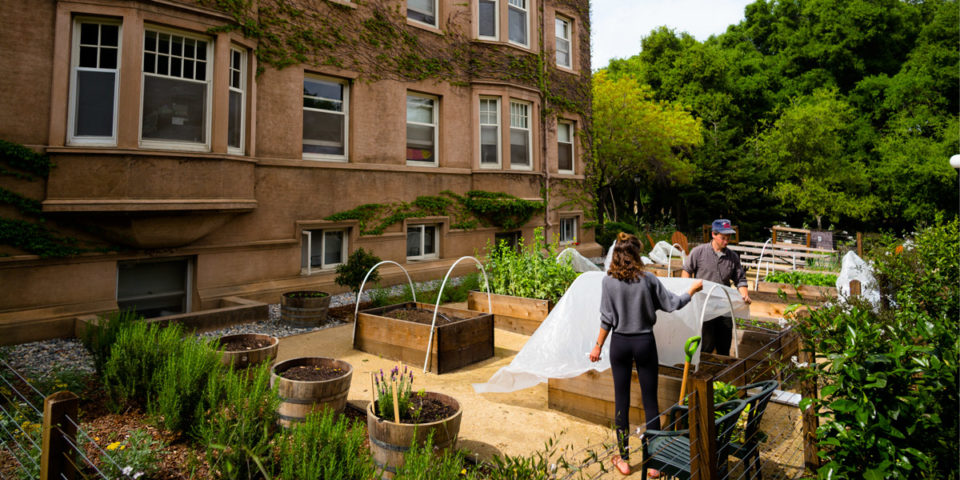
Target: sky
[{"x": 618, "y": 26}]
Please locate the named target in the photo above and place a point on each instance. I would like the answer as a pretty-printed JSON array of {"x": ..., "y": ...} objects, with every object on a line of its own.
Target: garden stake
[
  {"x": 396, "y": 404},
  {"x": 689, "y": 348},
  {"x": 373, "y": 390}
]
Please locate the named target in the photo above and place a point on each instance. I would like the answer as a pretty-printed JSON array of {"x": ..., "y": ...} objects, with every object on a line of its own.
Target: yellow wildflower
[{"x": 113, "y": 446}]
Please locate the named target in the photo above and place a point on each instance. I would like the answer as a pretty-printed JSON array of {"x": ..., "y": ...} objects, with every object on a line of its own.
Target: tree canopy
[{"x": 810, "y": 111}]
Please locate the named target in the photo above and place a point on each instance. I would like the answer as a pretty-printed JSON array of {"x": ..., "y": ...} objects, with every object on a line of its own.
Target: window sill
[
  {"x": 343, "y": 3},
  {"x": 425, "y": 26}
]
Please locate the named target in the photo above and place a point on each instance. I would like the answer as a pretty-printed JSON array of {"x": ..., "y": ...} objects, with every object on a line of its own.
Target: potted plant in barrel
[
  {"x": 305, "y": 308},
  {"x": 398, "y": 417}
]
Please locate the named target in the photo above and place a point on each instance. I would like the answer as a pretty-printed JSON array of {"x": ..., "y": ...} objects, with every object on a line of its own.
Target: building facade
[{"x": 203, "y": 150}]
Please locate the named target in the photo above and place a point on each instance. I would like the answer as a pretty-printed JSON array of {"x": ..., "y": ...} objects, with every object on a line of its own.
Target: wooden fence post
[
  {"x": 855, "y": 288},
  {"x": 703, "y": 430},
  {"x": 808, "y": 389},
  {"x": 55, "y": 450}
]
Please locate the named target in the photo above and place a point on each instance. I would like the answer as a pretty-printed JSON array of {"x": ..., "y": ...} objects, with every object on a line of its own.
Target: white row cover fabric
[
  {"x": 853, "y": 267},
  {"x": 662, "y": 252},
  {"x": 560, "y": 347},
  {"x": 577, "y": 261}
]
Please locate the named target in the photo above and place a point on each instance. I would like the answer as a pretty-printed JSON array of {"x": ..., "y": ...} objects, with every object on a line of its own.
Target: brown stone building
[{"x": 195, "y": 159}]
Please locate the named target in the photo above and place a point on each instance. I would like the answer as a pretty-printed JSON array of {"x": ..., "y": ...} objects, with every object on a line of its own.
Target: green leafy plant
[
  {"x": 136, "y": 456},
  {"x": 237, "y": 422},
  {"x": 139, "y": 351},
  {"x": 533, "y": 272},
  {"x": 63, "y": 377},
  {"x": 351, "y": 274},
  {"x": 803, "y": 278},
  {"x": 325, "y": 445},
  {"x": 889, "y": 379},
  {"x": 422, "y": 463}
]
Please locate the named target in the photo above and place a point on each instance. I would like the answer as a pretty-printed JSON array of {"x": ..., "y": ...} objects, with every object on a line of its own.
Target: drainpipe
[{"x": 543, "y": 127}]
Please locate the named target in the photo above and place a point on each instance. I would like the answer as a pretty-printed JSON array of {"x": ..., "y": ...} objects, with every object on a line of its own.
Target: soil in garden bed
[
  {"x": 247, "y": 343},
  {"x": 430, "y": 410},
  {"x": 422, "y": 316},
  {"x": 311, "y": 373}
]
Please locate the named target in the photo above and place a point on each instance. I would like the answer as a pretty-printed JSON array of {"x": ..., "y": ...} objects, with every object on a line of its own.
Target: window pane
[
  {"x": 201, "y": 50},
  {"x": 149, "y": 63},
  {"x": 419, "y": 109},
  {"x": 323, "y": 104},
  {"x": 323, "y": 133},
  {"x": 188, "y": 68},
  {"x": 519, "y": 147},
  {"x": 413, "y": 241},
  {"x": 175, "y": 67},
  {"x": 422, "y": 11},
  {"x": 94, "y": 109},
  {"x": 565, "y": 156},
  {"x": 488, "y": 18},
  {"x": 518, "y": 26},
  {"x": 235, "y": 79},
  {"x": 429, "y": 240},
  {"x": 200, "y": 71},
  {"x": 563, "y": 132},
  {"x": 88, "y": 57},
  {"x": 316, "y": 248},
  {"x": 236, "y": 121},
  {"x": 323, "y": 90},
  {"x": 174, "y": 109},
  {"x": 563, "y": 53},
  {"x": 420, "y": 143},
  {"x": 489, "y": 144},
  {"x": 333, "y": 251},
  {"x": 90, "y": 34},
  {"x": 489, "y": 114},
  {"x": 303, "y": 252},
  {"x": 163, "y": 44},
  {"x": 150, "y": 43},
  {"x": 561, "y": 26},
  {"x": 153, "y": 289},
  {"x": 177, "y": 46},
  {"x": 108, "y": 58},
  {"x": 109, "y": 35}
]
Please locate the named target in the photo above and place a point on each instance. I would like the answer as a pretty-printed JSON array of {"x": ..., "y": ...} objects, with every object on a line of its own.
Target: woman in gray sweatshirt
[{"x": 629, "y": 302}]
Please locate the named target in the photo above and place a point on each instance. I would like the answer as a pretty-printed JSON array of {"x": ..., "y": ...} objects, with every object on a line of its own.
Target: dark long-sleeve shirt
[
  {"x": 705, "y": 264},
  {"x": 631, "y": 307}
]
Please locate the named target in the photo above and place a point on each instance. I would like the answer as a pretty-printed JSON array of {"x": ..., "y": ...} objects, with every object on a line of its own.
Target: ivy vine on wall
[{"x": 467, "y": 212}]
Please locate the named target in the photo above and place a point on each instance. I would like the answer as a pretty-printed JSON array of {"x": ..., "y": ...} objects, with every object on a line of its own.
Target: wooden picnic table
[{"x": 783, "y": 246}]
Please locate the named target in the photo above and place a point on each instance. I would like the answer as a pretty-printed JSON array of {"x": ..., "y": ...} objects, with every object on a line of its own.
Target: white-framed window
[
  {"x": 237, "y": 101},
  {"x": 322, "y": 249},
  {"x": 423, "y": 11},
  {"x": 489, "y": 132},
  {"x": 422, "y": 129},
  {"x": 488, "y": 19},
  {"x": 154, "y": 288},
  {"x": 325, "y": 118},
  {"x": 176, "y": 90},
  {"x": 421, "y": 242},
  {"x": 563, "y": 42},
  {"x": 565, "y": 146},
  {"x": 520, "y": 146},
  {"x": 568, "y": 230},
  {"x": 94, "y": 75},
  {"x": 518, "y": 19}
]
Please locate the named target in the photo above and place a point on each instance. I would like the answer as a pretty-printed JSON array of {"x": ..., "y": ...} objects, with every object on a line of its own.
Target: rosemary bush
[
  {"x": 237, "y": 421},
  {"x": 533, "y": 272},
  {"x": 420, "y": 463},
  {"x": 180, "y": 382},
  {"x": 99, "y": 338},
  {"x": 138, "y": 352},
  {"x": 327, "y": 446}
]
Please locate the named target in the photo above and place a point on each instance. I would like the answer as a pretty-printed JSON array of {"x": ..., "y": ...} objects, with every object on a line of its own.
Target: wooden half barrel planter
[
  {"x": 247, "y": 349},
  {"x": 389, "y": 440},
  {"x": 466, "y": 339},
  {"x": 516, "y": 314},
  {"x": 298, "y": 398},
  {"x": 305, "y": 308}
]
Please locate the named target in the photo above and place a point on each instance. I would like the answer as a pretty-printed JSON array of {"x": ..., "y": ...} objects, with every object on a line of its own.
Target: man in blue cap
[{"x": 715, "y": 262}]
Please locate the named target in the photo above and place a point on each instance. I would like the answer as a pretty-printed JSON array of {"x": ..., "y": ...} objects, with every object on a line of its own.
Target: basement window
[{"x": 154, "y": 288}]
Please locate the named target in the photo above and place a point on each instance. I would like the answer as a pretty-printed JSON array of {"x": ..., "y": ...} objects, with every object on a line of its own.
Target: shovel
[{"x": 689, "y": 348}]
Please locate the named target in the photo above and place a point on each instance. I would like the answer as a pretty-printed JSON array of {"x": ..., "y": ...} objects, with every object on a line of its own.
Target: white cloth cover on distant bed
[{"x": 560, "y": 347}]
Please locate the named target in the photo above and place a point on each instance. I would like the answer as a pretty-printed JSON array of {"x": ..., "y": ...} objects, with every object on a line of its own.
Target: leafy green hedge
[
  {"x": 803, "y": 278},
  {"x": 889, "y": 399}
]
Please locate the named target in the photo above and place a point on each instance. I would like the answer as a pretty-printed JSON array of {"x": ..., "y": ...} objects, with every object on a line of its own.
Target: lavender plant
[{"x": 384, "y": 384}]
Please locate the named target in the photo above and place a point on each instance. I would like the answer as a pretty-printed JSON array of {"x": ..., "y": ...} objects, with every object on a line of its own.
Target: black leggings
[{"x": 625, "y": 352}]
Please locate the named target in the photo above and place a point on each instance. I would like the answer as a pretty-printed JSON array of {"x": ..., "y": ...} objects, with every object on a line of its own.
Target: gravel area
[{"x": 36, "y": 358}]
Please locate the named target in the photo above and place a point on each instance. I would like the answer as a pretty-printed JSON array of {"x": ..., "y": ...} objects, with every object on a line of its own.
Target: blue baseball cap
[{"x": 723, "y": 226}]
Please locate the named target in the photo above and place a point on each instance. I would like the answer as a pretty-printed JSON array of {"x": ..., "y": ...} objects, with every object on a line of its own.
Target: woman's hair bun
[{"x": 623, "y": 236}]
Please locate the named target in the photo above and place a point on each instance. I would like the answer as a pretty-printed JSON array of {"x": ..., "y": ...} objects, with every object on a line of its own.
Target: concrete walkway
[{"x": 517, "y": 423}]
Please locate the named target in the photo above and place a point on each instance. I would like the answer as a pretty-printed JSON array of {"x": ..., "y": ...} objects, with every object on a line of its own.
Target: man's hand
[{"x": 745, "y": 294}]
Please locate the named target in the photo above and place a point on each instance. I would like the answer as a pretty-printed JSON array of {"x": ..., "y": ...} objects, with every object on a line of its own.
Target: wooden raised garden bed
[
  {"x": 590, "y": 395},
  {"x": 805, "y": 294},
  {"x": 516, "y": 314},
  {"x": 463, "y": 338}
]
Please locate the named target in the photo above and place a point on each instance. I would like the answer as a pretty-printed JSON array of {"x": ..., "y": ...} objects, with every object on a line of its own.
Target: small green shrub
[
  {"x": 533, "y": 272},
  {"x": 138, "y": 352},
  {"x": 607, "y": 234},
  {"x": 326, "y": 445},
  {"x": 137, "y": 455},
  {"x": 98, "y": 339},
  {"x": 180, "y": 381},
  {"x": 351, "y": 274},
  {"x": 420, "y": 463},
  {"x": 237, "y": 420}
]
